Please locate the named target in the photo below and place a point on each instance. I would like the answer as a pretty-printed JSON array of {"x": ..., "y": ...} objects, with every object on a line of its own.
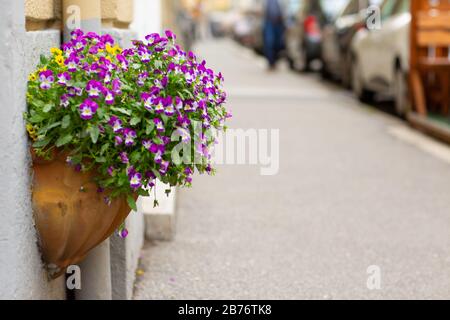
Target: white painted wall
[
  {"x": 147, "y": 17},
  {"x": 22, "y": 275}
]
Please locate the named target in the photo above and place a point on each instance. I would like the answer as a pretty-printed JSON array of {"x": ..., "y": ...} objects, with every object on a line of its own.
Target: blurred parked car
[
  {"x": 337, "y": 38},
  {"x": 248, "y": 29},
  {"x": 380, "y": 57},
  {"x": 218, "y": 23},
  {"x": 305, "y": 22}
]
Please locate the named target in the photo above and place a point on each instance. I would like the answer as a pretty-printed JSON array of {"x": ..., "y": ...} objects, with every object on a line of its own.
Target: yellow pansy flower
[
  {"x": 31, "y": 132},
  {"x": 32, "y": 77},
  {"x": 59, "y": 60},
  {"x": 56, "y": 51},
  {"x": 117, "y": 49},
  {"x": 109, "y": 49}
]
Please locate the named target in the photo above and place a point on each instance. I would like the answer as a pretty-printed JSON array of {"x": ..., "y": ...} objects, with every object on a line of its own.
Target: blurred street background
[{"x": 363, "y": 184}]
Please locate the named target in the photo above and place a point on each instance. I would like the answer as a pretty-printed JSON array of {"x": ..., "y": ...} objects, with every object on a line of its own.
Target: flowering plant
[{"x": 133, "y": 115}]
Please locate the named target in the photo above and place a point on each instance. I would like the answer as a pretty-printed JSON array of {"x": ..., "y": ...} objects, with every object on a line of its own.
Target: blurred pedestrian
[{"x": 273, "y": 31}]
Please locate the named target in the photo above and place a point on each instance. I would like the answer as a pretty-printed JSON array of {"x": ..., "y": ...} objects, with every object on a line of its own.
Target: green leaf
[
  {"x": 65, "y": 122},
  {"x": 36, "y": 118},
  {"x": 100, "y": 159},
  {"x": 135, "y": 156},
  {"x": 50, "y": 126},
  {"x": 42, "y": 143},
  {"x": 122, "y": 110},
  {"x": 43, "y": 59},
  {"x": 104, "y": 148},
  {"x": 191, "y": 96},
  {"x": 131, "y": 203},
  {"x": 123, "y": 179},
  {"x": 135, "y": 120},
  {"x": 48, "y": 107},
  {"x": 94, "y": 133},
  {"x": 101, "y": 113},
  {"x": 63, "y": 140},
  {"x": 157, "y": 140},
  {"x": 126, "y": 87},
  {"x": 38, "y": 103},
  {"x": 143, "y": 192},
  {"x": 76, "y": 159},
  {"x": 149, "y": 128}
]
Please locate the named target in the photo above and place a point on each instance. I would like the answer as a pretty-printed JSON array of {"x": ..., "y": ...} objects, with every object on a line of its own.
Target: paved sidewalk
[{"x": 349, "y": 194}]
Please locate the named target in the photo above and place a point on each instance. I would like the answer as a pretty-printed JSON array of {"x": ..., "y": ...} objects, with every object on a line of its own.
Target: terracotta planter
[{"x": 71, "y": 216}]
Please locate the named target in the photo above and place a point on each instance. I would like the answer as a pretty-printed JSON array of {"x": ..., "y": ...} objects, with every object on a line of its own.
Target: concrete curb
[{"x": 160, "y": 222}]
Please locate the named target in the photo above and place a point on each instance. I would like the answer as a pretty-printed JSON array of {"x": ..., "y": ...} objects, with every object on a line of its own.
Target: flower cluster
[{"x": 134, "y": 115}]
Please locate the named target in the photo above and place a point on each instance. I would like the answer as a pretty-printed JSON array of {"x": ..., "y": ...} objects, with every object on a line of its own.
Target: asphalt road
[{"x": 355, "y": 188}]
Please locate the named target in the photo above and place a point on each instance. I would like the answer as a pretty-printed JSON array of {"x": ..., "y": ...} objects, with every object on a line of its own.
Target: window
[
  {"x": 352, "y": 8},
  {"x": 388, "y": 8},
  {"x": 403, "y": 6}
]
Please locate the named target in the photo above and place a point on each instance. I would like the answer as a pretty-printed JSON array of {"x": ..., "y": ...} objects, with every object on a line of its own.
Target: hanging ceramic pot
[{"x": 71, "y": 216}]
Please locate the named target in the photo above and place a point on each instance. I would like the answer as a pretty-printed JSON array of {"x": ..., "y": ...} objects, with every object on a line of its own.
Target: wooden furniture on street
[{"x": 430, "y": 56}]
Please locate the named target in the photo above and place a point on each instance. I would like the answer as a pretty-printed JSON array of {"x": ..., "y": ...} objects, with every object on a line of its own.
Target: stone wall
[
  {"x": 45, "y": 14},
  {"x": 22, "y": 275}
]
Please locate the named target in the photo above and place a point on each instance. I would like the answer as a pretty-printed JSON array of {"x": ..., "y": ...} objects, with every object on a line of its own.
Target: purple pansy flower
[
  {"x": 94, "y": 88},
  {"x": 147, "y": 98},
  {"x": 144, "y": 54},
  {"x": 159, "y": 105},
  {"x": 64, "y": 100},
  {"x": 109, "y": 96},
  {"x": 123, "y": 61},
  {"x": 72, "y": 63},
  {"x": 107, "y": 39},
  {"x": 170, "y": 35},
  {"x": 152, "y": 38},
  {"x": 164, "y": 167},
  {"x": 169, "y": 109},
  {"x": 115, "y": 123},
  {"x": 87, "y": 109},
  {"x": 147, "y": 144},
  {"x": 164, "y": 81},
  {"x": 46, "y": 77},
  {"x": 178, "y": 103},
  {"x": 124, "y": 157},
  {"x": 111, "y": 170},
  {"x": 118, "y": 140},
  {"x": 116, "y": 86},
  {"x": 158, "y": 157},
  {"x": 135, "y": 180},
  {"x": 129, "y": 135},
  {"x": 63, "y": 78},
  {"x": 184, "y": 134},
  {"x": 123, "y": 233},
  {"x": 141, "y": 79},
  {"x": 159, "y": 125}
]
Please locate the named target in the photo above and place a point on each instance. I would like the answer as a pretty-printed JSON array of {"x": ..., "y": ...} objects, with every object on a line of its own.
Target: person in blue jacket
[{"x": 273, "y": 31}]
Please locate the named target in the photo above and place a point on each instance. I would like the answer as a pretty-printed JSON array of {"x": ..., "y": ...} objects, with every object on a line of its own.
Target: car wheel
[
  {"x": 291, "y": 63},
  {"x": 401, "y": 95},
  {"x": 305, "y": 64},
  {"x": 359, "y": 89},
  {"x": 325, "y": 72},
  {"x": 346, "y": 71}
]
